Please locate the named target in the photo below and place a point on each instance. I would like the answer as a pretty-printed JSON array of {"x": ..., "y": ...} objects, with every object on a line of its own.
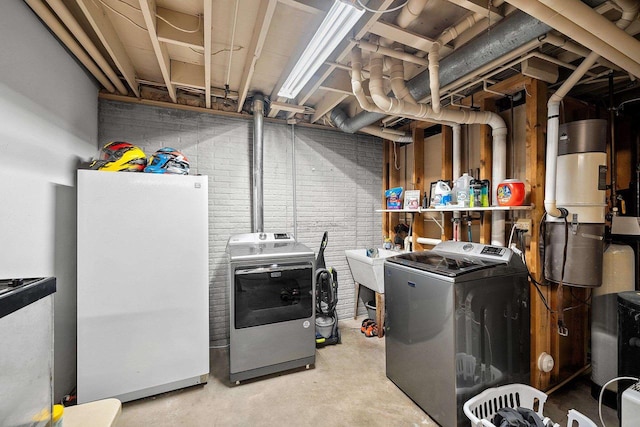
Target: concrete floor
[{"x": 347, "y": 387}]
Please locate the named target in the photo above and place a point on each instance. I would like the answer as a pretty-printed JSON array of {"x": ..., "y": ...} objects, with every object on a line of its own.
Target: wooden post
[
  {"x": 536, "y": 125},
  {"x": 447, "y": 172},
  {"x": 418, "y": 178},
  {"x": 387, "y": 155}
]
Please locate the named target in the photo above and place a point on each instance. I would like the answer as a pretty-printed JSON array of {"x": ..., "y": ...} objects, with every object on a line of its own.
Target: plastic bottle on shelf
[
  {"x": 443, "y": 194},
  {"x": 461, "y": 190}
]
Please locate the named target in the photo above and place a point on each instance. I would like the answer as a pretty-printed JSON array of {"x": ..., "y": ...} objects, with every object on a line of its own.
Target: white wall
[
  {"x": 338, "y": 180},
  {"x": 48, "y": 121}
]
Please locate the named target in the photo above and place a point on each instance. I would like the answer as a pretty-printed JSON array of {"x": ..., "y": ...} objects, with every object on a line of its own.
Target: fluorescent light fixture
[{"x": 335, "y": 26}]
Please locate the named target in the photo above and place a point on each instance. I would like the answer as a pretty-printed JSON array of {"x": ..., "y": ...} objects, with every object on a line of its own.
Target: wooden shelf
[{"x": 459, "y": 208}]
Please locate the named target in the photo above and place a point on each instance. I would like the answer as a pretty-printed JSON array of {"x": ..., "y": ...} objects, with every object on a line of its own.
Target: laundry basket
[
  {"x": 481, "y": 408},
  {"x": 576, "y": 419}
]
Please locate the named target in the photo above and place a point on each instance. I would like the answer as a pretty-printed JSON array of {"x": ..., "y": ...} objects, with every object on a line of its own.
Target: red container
[{"x": 511, "y": 193}]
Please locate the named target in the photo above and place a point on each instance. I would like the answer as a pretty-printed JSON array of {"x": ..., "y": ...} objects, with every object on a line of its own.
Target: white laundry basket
[
  {"x": 576, "y": 419},
  {"x": 481, "y": 408}
]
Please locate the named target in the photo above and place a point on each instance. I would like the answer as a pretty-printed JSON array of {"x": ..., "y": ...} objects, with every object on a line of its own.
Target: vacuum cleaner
[{"x": 327, "y": 332}]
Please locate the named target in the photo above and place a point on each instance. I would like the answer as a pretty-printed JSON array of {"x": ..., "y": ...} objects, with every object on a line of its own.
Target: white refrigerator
[{"x": 143, "y": 294}]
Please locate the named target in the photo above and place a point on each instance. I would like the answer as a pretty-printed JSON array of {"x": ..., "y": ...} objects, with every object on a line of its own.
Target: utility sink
[{"x": 368, "y": 271}]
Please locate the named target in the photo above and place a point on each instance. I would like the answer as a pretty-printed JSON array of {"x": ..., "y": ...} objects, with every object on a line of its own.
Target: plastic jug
[
  {"x": 461, "y": 190},
  {"x": 443, "y": 194}
]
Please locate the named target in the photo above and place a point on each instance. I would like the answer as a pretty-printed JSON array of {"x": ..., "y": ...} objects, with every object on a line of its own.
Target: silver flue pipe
[{"x": 258, "y": 161}]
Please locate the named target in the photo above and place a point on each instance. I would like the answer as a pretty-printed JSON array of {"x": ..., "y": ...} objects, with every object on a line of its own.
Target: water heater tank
[{"x": 581, "y": 189}]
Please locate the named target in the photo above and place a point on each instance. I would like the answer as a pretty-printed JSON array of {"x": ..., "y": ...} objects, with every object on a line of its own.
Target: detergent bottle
[
  {"x": 461, "y": 190},
  {"x": 443, "y": 194}
]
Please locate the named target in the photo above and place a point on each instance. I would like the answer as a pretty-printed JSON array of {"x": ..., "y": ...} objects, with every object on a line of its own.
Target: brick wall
[{"x": 338, "y": 181}]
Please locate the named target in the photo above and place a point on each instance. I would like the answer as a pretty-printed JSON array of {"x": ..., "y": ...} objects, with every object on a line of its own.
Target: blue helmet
[{"x": 168, "y": 160}]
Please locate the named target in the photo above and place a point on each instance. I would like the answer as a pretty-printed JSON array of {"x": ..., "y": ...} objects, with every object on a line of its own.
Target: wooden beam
[
  {"x": 208, "y": 22},
  {"x": 478, "y": 6},
  {"x": 406, "y": 37},
  {"x": 339, "y": 81},
  {"x": 263, "y": 22},
  {"x": 387, "y": 161},
  {"x": 103, "y": 28},
  {"x": 536, "y": 124},
  {"x": 447, "y": 171},
  {"x": 189, "y": 75},
  {"x": 283, "y": 106},
  {"x": 506, "y": 87},
  {"x": 312, "y": 7},
  {"x": 169, "y": 34},
  {"x": 148, "y": 8}
]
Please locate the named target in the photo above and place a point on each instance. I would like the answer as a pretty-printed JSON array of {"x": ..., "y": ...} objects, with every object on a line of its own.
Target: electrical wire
[
  {"x": 122, "y": 15},
  {"x": 382, "y": 11},
  {"x": 602, "y": 393},
  {"x": 179, "y": 28},
  {"x": 158, "y": 16},
  {"x": 395, "y": 157},
  {"x": 536, "y": 284},
  {"x": 233, "y": 38}
]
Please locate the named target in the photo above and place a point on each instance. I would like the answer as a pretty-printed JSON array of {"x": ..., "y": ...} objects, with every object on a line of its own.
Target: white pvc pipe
[
  {"x": 63, "y": 13},
  {"x": 434, "y": 76},
  {"x": 356, "y": 81},
  {"x": 376, "y": 131},
  {"x": 456, "y": 151},
  {"x": 54, "y": 25},
  {"x": 428, "y": 241},
  {"x": 398, "y": 85},
  {"x": 410, "y": 12}
]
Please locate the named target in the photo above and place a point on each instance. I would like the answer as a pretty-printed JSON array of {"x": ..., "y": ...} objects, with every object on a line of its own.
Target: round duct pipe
[{"x": 258, "y": 162}]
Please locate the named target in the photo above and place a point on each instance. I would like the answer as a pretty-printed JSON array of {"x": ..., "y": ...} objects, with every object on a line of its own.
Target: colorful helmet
[
  {"x": 120, "y": 156},
  {"x": 168, "y": 160}
]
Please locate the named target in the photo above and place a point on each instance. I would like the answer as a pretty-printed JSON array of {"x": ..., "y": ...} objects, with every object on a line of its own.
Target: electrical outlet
[{"x": 524, "y": 224}]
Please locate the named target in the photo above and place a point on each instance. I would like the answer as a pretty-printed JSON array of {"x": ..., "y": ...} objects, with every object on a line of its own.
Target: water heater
[{"x": 581, "y": 190}]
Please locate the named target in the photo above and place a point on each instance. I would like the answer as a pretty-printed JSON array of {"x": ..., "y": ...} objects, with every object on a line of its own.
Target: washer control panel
[{"x": 476, "y": 249}]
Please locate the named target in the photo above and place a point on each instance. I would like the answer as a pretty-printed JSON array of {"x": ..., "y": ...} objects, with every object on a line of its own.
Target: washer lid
[{"x": 451, "y": 265}]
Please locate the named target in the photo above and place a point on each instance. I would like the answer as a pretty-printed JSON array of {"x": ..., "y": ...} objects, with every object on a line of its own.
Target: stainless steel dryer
[
  {"x": 457, "y": 323},
  {"x": 271, "y": 304}
]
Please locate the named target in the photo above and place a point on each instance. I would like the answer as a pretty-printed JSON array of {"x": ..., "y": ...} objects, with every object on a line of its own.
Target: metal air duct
[{"x": 258, "y": 161}]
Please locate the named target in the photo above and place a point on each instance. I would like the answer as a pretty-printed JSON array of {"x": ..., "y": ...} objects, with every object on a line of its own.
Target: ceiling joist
[
  {"x": 179, "y": 28},
  {"x": 263, "y": 22},
  {"x": 102, "y": 26},
  {"x": 478, "y": 6},
  {"x": 405, "y": 37},
  {"x": 148, "y": 8}
]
